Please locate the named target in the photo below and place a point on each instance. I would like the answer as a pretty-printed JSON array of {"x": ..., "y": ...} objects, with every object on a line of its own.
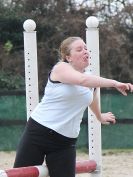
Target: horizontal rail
[{"x": 87, "y": 166}]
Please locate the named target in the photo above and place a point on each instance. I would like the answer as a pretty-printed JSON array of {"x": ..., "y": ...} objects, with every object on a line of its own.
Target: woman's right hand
[{"x": 124, "y": 87}]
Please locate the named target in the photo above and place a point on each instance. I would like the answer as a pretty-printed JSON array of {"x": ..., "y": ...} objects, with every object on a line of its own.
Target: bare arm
[
  {"x": 104, "y": 118},
  {"x": 65, "y": 73}
]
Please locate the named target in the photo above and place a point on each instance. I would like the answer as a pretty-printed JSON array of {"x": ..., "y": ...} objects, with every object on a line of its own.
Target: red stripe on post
[
  {"x": 87, "y": 166},
  {"x": 23, "y": 172}
]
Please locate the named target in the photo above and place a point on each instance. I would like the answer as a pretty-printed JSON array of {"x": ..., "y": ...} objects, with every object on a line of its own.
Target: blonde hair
[{"x": 64, "y": 49}]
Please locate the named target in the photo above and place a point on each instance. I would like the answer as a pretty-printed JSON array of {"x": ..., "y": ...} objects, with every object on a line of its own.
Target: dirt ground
[{"x": 115, "y": 163}]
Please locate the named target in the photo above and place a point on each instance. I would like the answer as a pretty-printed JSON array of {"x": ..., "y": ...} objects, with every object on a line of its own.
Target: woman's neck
[{"x": 81, "y": 70}]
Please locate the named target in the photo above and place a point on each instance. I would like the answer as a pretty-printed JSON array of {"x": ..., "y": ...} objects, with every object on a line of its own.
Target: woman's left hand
[{"x": 107, "y": 118}]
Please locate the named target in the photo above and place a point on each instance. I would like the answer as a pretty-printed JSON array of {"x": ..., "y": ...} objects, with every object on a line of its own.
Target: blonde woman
[{"x": 53, "y": 128}]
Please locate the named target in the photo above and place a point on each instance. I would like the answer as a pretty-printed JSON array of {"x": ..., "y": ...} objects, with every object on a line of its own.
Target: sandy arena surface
[{"x": 115, "y": 163}]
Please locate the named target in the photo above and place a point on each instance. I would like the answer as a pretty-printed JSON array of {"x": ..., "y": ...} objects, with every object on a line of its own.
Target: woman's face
[{"x": 79, "y": 56}]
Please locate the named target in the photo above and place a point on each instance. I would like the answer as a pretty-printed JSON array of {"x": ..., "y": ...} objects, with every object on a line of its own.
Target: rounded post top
[
  {"x": 29, "y": 25},
  {"x": 92, "y": 22}
]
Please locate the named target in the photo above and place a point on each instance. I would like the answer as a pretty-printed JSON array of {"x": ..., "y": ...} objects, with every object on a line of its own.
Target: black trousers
[{"x": 40, "y": 143}]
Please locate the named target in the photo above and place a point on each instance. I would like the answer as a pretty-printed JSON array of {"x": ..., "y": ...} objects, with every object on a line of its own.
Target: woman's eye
[{"x": 79, "y": 50}]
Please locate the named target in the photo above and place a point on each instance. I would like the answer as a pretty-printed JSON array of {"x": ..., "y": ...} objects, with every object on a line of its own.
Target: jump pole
[
  {"x": 94, "y": 126},
  {"x": 42, "y": 170}
]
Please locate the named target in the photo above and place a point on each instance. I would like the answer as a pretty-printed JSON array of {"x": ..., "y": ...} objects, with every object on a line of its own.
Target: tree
[{"x": 58, "y": 19}]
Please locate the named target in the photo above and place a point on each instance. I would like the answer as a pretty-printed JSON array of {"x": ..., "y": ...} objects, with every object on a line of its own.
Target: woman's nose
[{"x": 86, "y": 51}]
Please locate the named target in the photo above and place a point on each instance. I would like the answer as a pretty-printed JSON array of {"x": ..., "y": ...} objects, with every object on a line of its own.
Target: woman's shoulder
[
  {"x": 61, "y": 63},
  {"x": 58, "y": 71},
  {"x": 61, "y": 66}
]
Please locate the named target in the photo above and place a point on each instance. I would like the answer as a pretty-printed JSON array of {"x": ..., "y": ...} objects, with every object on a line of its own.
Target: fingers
[
  {"x": 111, "y": 120},
  {"x": 130, "y": 87},
  {"x": 123, "y": 88},
  {"x": 108, "y": 118},
  {"x": 123, "y": 92}
]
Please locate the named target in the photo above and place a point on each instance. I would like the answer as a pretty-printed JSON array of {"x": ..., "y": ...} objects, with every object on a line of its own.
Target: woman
[{"x": 54, "y": 125}]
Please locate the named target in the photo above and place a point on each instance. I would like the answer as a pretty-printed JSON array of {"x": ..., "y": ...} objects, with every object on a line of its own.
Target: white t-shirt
[{"x": 62, "y": 107}]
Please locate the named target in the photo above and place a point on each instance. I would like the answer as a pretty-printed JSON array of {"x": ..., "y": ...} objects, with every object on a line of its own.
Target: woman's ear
[{"x": 68, "y": 58}]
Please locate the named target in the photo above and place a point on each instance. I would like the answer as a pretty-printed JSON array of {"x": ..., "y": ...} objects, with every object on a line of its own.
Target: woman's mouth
[{"x": 86, "y": 58}]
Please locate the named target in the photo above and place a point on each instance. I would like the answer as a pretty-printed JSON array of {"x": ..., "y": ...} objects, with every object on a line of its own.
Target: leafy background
[{"x": 57, "y": 20}]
